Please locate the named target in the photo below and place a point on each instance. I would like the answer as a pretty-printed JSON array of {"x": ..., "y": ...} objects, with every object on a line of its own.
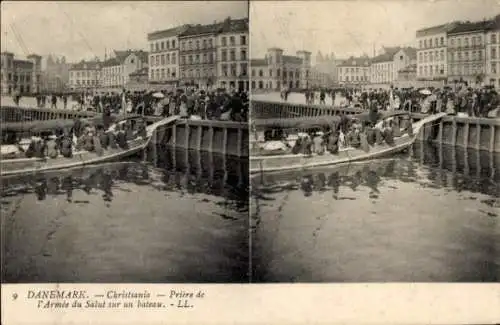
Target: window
[
  {"x": 493, "y": 67},
  {"x": 210, "y": 57},
  {"x": 243, "y": 69},
  {"x": 278, "y": 73},
  {"x": 442, "y": 41},
  {"x": 493, "y": 38},
  {"x": 261, "y": 73},
  {"x": 243, "y": 40},
  {"x": 204, "y": 45},
  {"x": 270, "y": 72},
  {"x": 441, "y": 55},
  {"x": 162, "y": 74},
  {"x": 243, "y": 55},
  {"x": 173, "y": 59},
  {"x": 224, "y": 70},
  {"x": 233, "y": 55},
  {"x": 157, "y": 47},
  {"x": 163, "y": 59},
  {"x": 466, "y": 41},
  {"x": 152, "y": 47},
  {"x": 168, "y": 45},
  {"x": 197, "y": 58},
  {"x": 420, "y": 44},
  {"x": 459, "y": 42},
  {"x": 210, "y": 43},
  {"x": 231, "y": 41},
  {"x": 223, "y": 41},
  {"x": 197, "y": 45},
  {"x": 420, "y": 57},
  {"x": 253, "y": 73},
  {"x": 183, "y": 59},
  {"x": 190, "y": 45},
  {"x": 190, "y": 59},
  {"x": 430, "y": 42},
  {"x": 162, "y": 46},
  {"x": 157, "y": 60},
  {"x": 173, "y": 44},
  {"x": 223, "y": 55}
]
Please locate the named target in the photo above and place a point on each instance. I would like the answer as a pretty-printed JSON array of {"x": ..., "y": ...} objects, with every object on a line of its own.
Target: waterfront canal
[
  {"x": 176, "y": 216},
  {"x": 428, "y": 215}
]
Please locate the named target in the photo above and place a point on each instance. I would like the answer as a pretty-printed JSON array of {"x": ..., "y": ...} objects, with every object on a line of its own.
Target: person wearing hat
[{"x": 52, "y": 147}]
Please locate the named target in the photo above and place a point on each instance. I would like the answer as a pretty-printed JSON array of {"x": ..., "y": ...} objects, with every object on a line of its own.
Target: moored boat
[
  {"x": 20, "y": 166},
  {"x": 289, "y": 161}
]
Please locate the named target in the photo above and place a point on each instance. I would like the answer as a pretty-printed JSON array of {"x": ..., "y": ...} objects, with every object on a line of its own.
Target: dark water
[
  {"x": 179, "y": 216},
  {"x": 427, "y": 215}
]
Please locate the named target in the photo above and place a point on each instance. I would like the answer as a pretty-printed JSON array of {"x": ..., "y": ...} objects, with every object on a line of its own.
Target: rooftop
[
  {"x": 86, "y": 65},
  {"x": 175, "y": 31},
  {"x": 292, "y": 59},
  {"x": 258, "y": 62},
  {"x": 121, "y": 56},
  {"x": 467, "y": 26},
  {"x": 436, "y": 29},
  {"x": 235, "y": 25},
  {"x": 359, "y": 62},
  {"x": 23, "y": 64}
]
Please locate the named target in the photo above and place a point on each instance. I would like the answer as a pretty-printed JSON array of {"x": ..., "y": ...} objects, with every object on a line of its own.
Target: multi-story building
[
  {"x": 355, "y": 71},
  {"x": 385, "y": 67},
  {"x": 21, "y": 76},
  {"x": 85, "y": 75},
  {"x": 232, "y": 55},
  {"x": 432, "y": 63},
  {"x": 164, "y": 65},
  {"x": 138, "y": 80},
  {"x": 493, "y": 53},
  {"x": 276, "y": 70},
  {"x": 116, "y": 70},
  {"x": 55, "y": 76},
  {"x": 7, "y": 72},
  {"x": 198, "y": 55},
  {"x": 466, "y": 52}
]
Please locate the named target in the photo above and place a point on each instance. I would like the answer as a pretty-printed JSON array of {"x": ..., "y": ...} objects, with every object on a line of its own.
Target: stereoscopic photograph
[
  {"x": 375, "y": 141},
  {"x": 124, "y": 142}
]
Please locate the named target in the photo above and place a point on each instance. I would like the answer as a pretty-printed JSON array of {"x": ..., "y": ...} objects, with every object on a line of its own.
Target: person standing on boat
[
  {"x": 53, "y": 102},
  {"x": 106, "y": 117},
  {"x": 67, "y": 144},
  {"x": 52, "y": 148}
]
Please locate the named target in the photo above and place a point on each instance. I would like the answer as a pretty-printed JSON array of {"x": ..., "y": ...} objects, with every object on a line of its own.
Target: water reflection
[
  {"x": 172, "y": 216},
  {"x": 399, "y": 219}
]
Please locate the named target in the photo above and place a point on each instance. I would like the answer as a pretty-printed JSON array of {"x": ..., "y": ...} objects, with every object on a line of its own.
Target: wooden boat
[
  {"x": 21, "y": 166},
  {"x": 281, "y": 162}
]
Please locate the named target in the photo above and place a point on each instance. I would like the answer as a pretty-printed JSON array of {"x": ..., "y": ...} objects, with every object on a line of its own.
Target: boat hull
[
  {"x": 37, "y": 165},
  {"x": 10, "y": 167},
  {"x": 260, "y": 164}
]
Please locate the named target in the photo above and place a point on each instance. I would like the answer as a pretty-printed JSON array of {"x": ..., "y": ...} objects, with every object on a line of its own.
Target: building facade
[
  {"x": 164, "y": 65},
  {"x": 327, "y": 64},
  {"x": 85, "y": 75},
  {"x": 493, "y": 53},
  {"x": 116, "y": 70},
  {"x": 20, "y": 76},
  {"x": 232, "y": 55},
  {"x": 467, "y": 52},
  {"x": 385, "y": 67},
  {"x": 355, "y": 71},
  {"x": 277, "y": 71},
  {"x": 432, "y": 56},
  {"x": 198, "y": 55}
]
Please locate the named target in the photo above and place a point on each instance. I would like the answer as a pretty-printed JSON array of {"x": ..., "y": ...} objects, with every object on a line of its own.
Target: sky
[
  {"x": 353, "y": 27},
  {"x": 85, "y": 29}
]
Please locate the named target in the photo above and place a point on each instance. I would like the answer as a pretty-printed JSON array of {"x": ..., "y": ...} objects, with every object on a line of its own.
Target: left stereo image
[{"x": 124, "y": 153}]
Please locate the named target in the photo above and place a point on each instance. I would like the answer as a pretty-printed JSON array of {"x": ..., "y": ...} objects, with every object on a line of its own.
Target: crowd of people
[
  {"x": 360, "y": 134},
  {"x": 218, "y": 104},
  {"x": 84, "y": 136},
  {"x": 457, "y": 99}
]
